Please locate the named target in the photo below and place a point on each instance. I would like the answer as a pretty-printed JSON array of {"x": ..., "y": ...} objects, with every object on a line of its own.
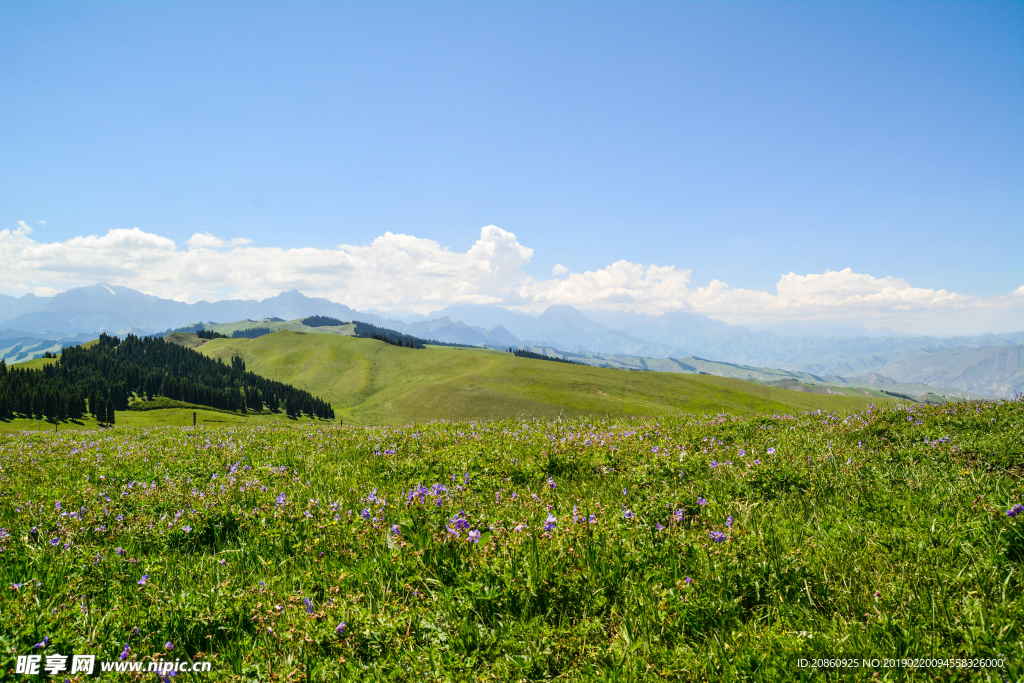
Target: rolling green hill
[
  {"x": 369, "y": 382},
  {"x": 870, "y": 385},
  {"x": 277, "y": 325}
]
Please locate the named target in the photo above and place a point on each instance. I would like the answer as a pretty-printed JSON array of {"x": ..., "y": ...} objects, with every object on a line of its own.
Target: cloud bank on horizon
[{"x": 403, "y": 271}]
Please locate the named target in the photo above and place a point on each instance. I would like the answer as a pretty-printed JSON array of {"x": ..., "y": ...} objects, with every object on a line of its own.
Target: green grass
[
  {"x": 161, "y": 417},
  {"x": 34, "y": 364},
  {"x": 370, "y": 382},
  {"x": 878, "y": 535}
]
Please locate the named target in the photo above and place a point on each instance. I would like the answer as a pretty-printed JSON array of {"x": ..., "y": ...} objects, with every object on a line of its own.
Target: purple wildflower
[
  {"x": 550, "y": 523},
  {"x": 701, "y": 501},
  {"x": 551, "y": 482},
  {"x": 168, "y": 646},
  {"x": 340, "y": 628},
  {"x": 44, "y": 643},
  {"x": 395, "y": 530},
  {"x": 770, "y": 451},
  {"x": 125, "y": 652},
  {"x": 309, "y": 605},
  {"x": 143, "y": 580},
  {"x": 717, "y": 536},
  {"x": 474, "y": 536}
]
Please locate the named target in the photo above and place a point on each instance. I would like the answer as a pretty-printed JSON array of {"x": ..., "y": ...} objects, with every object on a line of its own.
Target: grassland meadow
[{"x": 689, "y": 548}]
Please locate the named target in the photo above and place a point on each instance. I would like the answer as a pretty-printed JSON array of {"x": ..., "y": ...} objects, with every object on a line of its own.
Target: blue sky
[{"x": 738, "y": 141}]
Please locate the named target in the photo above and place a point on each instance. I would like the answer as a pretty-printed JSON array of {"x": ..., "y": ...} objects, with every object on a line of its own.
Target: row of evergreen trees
[
  {"x": 111, "y": 371},
  {"x": 525, "y": 353},
  {"x": 322, "y": 321},
  {"x": 368, "y": 331},
  {"x": 210, "y": 334},
  {"x": 251, "y": 333}
]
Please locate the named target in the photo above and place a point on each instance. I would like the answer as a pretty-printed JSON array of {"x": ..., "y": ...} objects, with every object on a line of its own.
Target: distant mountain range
[
  {"x": 987, "y": 364},
  {"x": 111, "y": 308}
]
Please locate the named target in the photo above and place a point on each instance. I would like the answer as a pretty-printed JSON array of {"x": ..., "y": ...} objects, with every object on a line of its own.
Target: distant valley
[{"x": 988, "y": 365}]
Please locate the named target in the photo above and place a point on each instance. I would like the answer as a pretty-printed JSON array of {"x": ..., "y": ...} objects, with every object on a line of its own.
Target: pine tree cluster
[
  {"x": 210, "y": 334},
  {"x": 322, "y": 321},
  {"x": 524, "y": 353},
  {"x": 108, "y": 373},
  {"x": 251, "y": 333},
  {"x": 368, "y": 331}
]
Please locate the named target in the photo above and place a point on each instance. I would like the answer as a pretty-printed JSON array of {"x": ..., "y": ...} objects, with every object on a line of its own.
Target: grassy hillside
[
  {"x": 870, "y": 385},
  {"x": 34, "y": 364},
  {"x": 292, "y": 325},
  {"x": 370, "y": 382}
]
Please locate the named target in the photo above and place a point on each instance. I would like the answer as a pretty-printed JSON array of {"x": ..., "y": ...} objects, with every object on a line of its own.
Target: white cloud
[
  {"x": 861, "y": 299},
  {"x": 204, "y": 240},
  {"x": 403, "y": 271},
  {"x": 622, "y": 285},
  {"x": 393, "y": 270}
]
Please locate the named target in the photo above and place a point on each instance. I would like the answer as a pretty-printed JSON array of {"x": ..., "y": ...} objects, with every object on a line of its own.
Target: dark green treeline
[{"x": 104, "y": 377}]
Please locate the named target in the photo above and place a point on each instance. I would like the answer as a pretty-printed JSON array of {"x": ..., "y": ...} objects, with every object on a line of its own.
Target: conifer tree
[
  {"x": 50, "y": 406},
  {"x": 74, "y": 404}
]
